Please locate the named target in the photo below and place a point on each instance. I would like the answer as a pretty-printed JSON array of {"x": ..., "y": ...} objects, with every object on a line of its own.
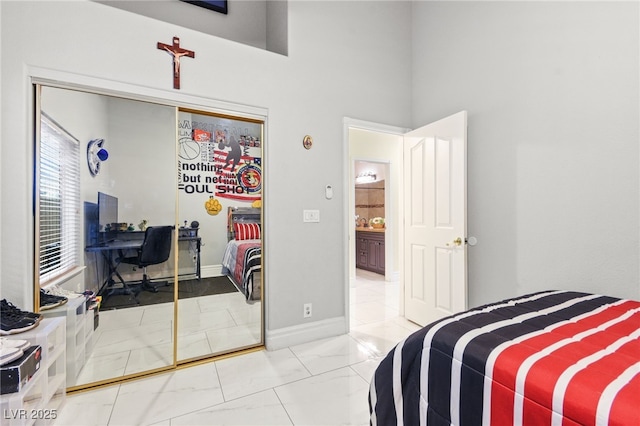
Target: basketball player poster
[{"x": 220, "y": 156}]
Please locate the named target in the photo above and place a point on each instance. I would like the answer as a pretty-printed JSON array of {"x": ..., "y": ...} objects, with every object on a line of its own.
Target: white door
[{"x": 435, "y": 261}]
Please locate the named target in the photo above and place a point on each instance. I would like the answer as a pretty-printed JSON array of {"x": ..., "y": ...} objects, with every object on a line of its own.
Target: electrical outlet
[{"x": 307, "y": 310}]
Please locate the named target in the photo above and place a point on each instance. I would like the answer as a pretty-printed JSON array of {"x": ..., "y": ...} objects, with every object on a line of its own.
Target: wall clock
[{"x": 95, "y": 155}]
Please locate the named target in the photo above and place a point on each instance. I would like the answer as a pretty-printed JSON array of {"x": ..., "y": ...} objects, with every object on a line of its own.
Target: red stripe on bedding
[
  {"x": 550, "y": 368},
  {"x": 545, "y": 369},
  {"x": 584, "y": 391},
  {"x": 626, "y": 397}
]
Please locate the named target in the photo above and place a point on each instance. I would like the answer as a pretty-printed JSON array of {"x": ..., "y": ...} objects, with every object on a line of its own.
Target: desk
[{"x": 120, "y": 246}]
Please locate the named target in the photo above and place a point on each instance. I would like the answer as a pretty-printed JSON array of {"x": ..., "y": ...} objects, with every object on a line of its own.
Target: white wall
[
  {"x": 552, "y": 94},
  {"x": 245, "y": 22},
  {"x": 551, "y": 90},
  {"x": 345, "y": 59}
]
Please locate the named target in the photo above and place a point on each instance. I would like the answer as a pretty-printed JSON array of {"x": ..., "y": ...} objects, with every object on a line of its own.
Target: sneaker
[
  {"x": 88, "y": 294},
  {"x": 48, "y": 301},
  {"x": 6, "y": 342},
  {"x": 56, "y": 290},
  {"x": 10, "y": 307},
  {"x": 12, "y": 322},
  {"x": 9, "y": 354}
]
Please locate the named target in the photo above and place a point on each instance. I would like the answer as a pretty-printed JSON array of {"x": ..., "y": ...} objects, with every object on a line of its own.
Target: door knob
[{"x": 456, "y": 242}]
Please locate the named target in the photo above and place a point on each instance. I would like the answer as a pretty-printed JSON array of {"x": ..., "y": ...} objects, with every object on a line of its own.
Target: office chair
[{"x": 155, "y": 249}]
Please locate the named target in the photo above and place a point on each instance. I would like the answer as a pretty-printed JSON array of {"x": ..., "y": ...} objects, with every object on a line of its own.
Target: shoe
[
  {"x": 12, "y": 322},
  {"x": 56, "y": 290},
  {"x": 88, "y": 293},
  {"x": 6, "y": 307},
  {"x": 48, "y": 301},
  {"x": 6, "y": 342},
  {"x": 9, "y": 354}
]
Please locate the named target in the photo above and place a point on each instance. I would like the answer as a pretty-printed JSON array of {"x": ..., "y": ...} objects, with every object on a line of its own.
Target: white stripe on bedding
[
  {"x": 491, "y": 359},
  {"x": 374, "y": 400},
  {"x": 523, "y": 371},
  {"x": 463, "y": 341},
  {"x": 611, "y": 391},
  {"x": 564, "y": 379},
  {"x": 397, "y": 383},
  {"x": 424, "y": 365}
]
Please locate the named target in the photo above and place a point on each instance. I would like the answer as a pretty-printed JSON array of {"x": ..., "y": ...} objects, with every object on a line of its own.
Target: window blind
[{"x": 59, "y": 207}]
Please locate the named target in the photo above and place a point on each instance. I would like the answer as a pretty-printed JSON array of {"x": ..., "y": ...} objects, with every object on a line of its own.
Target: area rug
[{"x": 186, "y": 289}]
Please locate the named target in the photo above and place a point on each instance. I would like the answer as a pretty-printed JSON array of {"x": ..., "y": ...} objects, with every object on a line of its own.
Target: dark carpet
[{"x": 186, "y": 289}]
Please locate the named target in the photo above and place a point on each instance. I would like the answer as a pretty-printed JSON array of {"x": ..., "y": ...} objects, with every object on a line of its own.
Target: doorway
[
  {"x": 375, "y": 149},
  {"x": 432, "y": 202}
]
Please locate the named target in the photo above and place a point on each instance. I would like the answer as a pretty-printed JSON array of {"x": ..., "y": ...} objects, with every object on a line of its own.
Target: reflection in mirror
[
  {"x": 220, "y": 199},
  {"x": 101, "y": 238},
  {"x": 126, "y": 186}
]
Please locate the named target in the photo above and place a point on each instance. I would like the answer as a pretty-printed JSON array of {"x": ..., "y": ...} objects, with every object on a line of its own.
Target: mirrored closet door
[
  {"x": 220, "y": 205},
  {"x": 135, "y": 211}
]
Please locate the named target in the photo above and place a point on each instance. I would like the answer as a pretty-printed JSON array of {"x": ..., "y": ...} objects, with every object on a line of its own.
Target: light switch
[{"x": 311, "y": 215}]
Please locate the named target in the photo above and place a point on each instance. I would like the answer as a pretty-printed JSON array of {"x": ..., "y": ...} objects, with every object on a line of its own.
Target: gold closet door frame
[{"x": 260, "y": 118}]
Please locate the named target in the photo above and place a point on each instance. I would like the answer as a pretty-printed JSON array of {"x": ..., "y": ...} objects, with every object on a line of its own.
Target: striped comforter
[
  {"x": 248, "y": 261},
  {"x": 550, "y": 358},
  {"x": 241, "y": 259}
]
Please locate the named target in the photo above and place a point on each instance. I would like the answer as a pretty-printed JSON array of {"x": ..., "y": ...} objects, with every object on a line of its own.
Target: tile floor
[
  {"x": 324, "y": 382},
  {"x": 136, "y": 339}
]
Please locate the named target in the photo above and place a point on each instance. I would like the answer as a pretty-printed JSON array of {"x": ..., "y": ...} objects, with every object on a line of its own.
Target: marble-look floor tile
[
  {"x": 338, "y": 397},
  {"x": 247, "y": 314},
  {"x": 190, "y": 323},
  {"x": 292, "y": 385},
  {"x": 91, "y": 408},
  {"x": 134, "y": 337},
  {"x": 188, "y": 305},
  {"x": 157, "y": 313},
  {"x": 257, "y": 371},
  {"x": 240, "y": 336},
  {"x": 103, "y": 367},
  {"x": 366, "y": 368},
  {"x": 221, "y": 301},
  {"x": 363, "y": 294},
  {"x": 149, "y": 358},
  {"x": 153, "y": 399},
  {"x": 116, "y": 319},
  {"x": 329, "y": 354},
  {"x": 373, "y": 311},
  {"x": 262, "y": 408},
  {"x": 193, "y": 346},
  {"x": 380, "y": 337}
]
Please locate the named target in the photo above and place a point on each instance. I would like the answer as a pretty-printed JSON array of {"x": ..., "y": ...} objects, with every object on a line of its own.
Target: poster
[{"x": 219, "y": 157}]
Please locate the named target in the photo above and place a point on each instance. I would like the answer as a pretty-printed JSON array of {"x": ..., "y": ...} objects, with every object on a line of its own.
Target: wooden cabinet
[{"x": 370, "y": 251}]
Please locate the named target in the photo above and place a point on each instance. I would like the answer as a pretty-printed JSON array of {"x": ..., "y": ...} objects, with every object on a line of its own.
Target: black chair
[{"x": 155, "y": 249}]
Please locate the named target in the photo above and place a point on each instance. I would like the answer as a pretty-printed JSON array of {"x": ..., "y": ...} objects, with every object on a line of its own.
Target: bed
[
  {"x": 549, "y": 358},
  {"x": 242, "y": 259}
]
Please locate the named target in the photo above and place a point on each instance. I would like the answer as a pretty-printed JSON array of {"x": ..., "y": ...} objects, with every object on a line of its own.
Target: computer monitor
[
  {"x": 107, "y": 217},
  {"x": 91, "y": 234}
]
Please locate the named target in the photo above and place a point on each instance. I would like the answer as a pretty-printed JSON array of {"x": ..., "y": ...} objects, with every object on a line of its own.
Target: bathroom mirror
[{"x": 146, "y": 228}]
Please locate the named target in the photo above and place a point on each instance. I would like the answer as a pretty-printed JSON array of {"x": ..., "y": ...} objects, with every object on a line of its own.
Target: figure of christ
[{"x": 177, "y": 52}]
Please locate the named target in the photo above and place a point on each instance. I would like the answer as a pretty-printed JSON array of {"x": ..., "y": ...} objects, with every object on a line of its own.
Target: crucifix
[{"x": 177, "y": 52}]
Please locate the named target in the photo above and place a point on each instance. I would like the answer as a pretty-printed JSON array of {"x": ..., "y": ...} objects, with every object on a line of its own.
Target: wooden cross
[{"x": 176, "y": 51}]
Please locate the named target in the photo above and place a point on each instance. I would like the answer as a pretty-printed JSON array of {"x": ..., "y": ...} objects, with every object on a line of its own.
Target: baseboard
[
  {"x": 303, "y": 333},
  {"x": 207, "y": 271}
]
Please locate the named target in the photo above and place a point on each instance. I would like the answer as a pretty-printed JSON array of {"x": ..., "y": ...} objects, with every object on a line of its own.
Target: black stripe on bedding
[
  {"x": 252, "y": 263},
  {"x": 448, "y": 333}
]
